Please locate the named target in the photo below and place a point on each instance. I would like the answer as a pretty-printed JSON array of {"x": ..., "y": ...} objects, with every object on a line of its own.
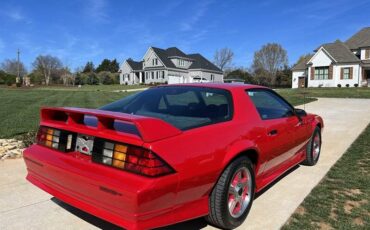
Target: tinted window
[
  {"x": 269, "y": 105},
  {"x": 182, "y": 106}
]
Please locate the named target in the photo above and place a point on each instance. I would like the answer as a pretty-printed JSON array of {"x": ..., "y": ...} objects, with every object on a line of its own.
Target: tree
[
  {"x": 66, "y": 76},
  {"x": 6, "y": 78},
  {"x": 89, "y": 67},
  {"x": 114, "y": 66},
  {"x": 10, "y": 66},
  {"x": 47, "y": 65},
  {"x": 105, "y": 65},
  {"x": 284, "y": 77},
  {"x": 242, "y": 74},
  {"x": 270, "y": 58},
  {"x": 304, "y": 57},
  {"x": 223, "y": 57}
]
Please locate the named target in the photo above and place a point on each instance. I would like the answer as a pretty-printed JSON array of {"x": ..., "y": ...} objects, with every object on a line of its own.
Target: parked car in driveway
[{"x": 172, "y": 153}]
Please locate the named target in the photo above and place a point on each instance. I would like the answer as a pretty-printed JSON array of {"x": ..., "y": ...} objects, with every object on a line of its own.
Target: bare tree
[
  {"x": 223, "y": 57},
  {"x": 10, "y": 66},
  {"x": 270, "y": 58},
  {"x": 47, "y": 65}
]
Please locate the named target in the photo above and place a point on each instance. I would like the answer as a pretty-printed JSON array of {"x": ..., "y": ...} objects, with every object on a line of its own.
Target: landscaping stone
[{"x": 11, "y": 148}]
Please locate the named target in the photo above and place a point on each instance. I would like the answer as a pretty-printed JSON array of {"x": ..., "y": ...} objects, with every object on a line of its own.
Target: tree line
[
  {"x": 269, "y": 66},
  {"x": 48, "y": 69}
]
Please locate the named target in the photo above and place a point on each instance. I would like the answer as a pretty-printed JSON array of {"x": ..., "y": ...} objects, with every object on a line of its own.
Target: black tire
[
  {"x": 219, "y": 214},
  {"x": 311, "y": 159}
]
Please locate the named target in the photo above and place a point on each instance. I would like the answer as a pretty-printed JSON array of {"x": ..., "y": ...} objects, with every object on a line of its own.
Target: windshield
[{"x": 182, "y": 106}]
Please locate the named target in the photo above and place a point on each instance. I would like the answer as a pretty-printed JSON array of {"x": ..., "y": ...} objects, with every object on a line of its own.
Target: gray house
[
  {"x": 336, "y": 64},
  {"x": 169, "y": 66}
]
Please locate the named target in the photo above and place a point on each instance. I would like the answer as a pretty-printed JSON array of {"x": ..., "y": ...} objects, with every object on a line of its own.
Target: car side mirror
[{"x": 300, "y": 112}]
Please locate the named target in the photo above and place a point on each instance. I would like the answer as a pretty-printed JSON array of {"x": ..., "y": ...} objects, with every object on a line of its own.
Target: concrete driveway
[{"x": 23, "y": 206}]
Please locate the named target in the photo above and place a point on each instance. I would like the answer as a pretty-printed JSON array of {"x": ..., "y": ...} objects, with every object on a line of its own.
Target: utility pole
[{"x": 18, "y": 74}]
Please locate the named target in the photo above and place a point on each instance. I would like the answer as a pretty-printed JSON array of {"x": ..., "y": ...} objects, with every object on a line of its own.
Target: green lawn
[
  {"x": 19, "y": 111},
  {"x": 108, "y": 88},
  {"x": 342, "y": 199},
  {"x": 361, "y": 92}
]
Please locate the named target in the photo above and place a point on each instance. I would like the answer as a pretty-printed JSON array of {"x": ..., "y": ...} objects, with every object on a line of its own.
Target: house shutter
[
  {"x": 367, "y": 53},
  {"x": 350, "y": 72},
  {"x": 330, "y": 76},
  {"x": 312, "y": 73},
  {"x": 341, "y": 73}
]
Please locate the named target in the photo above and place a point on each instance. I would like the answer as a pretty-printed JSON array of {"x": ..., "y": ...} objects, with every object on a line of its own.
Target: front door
[{"x": 301, "y": 82}]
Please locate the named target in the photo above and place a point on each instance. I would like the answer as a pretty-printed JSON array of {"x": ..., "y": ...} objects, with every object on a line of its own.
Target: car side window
[{"x": 269, "y": 105}]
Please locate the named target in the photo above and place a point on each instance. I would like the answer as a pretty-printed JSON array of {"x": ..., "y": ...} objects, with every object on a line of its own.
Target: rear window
[{"x": 183, "y": 107}]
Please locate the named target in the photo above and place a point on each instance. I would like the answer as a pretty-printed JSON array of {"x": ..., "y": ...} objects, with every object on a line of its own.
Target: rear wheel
[
  {"x": 232, "y": 197},
  {"x": 313, "y": 148}
]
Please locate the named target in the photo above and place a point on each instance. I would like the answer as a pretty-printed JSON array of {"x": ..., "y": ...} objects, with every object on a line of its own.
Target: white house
[
  {"x": 169, "y": 66},
  {"x": 337, "y": 64}
]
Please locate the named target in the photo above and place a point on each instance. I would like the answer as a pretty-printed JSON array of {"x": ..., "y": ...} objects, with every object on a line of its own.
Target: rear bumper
[{"x": 125, "y": 199}]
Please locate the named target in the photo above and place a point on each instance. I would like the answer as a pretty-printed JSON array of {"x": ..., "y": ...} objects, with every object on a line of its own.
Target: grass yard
[
  {"x": 19, "y": 111},
  {"x": 361, "y": 92},
  {"x": 107, "y": 88},
  {"x": 342, "y": 198}
]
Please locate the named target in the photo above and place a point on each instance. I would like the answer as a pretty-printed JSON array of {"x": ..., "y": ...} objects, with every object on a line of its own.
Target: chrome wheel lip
[
  {"x": 316, "y": 147},
  {"x": 240, "y": 192}
]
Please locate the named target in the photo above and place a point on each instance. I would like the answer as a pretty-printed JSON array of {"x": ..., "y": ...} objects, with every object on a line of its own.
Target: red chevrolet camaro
[{"x": 172, "y": 153}]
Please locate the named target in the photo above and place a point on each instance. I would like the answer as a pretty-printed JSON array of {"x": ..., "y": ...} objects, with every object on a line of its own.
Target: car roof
[{"x": 228, "y": 86}]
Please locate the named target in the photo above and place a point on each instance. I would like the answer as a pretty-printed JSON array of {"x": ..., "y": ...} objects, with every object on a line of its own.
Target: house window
[
  {"x": 128, "y": 77},
  {"x": 212, "y": 77},
  {"x": 181, "y": 62},
  {"x": 321, "y": 73},
  {"x": 152, "y": 75},
  {"x": 155, "y": 61},
  {"x": 163, "y": 74},
  {"x": 156, "y": 74},
  {"x": 346, "y": 73},
  {"x": 367, "y": 54}
]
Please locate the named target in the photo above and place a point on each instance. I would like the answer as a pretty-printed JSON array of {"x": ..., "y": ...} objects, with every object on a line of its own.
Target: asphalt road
[{"x": 23, "y": 206}]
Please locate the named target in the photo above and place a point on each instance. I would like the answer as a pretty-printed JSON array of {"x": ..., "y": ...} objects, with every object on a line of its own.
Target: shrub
[
  {"x": 347, "y": 85},
  {"x": 339, "y": 85},
  {"x": 355, "y": 85},
  {"x": 92, "y": 79},
  {"x": 81, "y": 79}
]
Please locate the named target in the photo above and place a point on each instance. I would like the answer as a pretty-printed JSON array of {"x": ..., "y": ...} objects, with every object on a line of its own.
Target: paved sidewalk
[{"x": 23, "y": 206}]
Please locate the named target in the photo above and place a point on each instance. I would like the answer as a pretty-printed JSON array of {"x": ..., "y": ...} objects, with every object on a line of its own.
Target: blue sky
[{"x": 78, "y": 31}]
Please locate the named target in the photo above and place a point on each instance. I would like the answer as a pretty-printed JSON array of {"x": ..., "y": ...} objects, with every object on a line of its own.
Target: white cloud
[
  {"x": 16, "y": 15},
  {"x": 199, "y": 12},
  {"x": 96, "y": 11}
]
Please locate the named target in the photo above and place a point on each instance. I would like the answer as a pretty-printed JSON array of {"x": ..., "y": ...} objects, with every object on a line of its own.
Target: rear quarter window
[{"x": 184, "y": 107}]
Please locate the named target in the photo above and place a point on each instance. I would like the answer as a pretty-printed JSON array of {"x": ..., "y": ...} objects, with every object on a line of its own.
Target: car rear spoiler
[{"x": 150, "y": 129}]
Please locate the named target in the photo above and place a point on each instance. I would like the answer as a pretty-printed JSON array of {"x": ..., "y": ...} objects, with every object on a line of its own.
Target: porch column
[{"x": 140, "y": 77}]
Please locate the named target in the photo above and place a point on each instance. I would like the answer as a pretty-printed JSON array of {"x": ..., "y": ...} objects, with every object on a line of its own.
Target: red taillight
[
  {"x": 129, "y": 158},
  {"x": 54, "y": 138}
]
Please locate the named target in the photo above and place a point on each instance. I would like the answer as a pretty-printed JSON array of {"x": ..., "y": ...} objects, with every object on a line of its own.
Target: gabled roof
[
  {"x": 360, "y": 39},
  {"x": 135, "y": 65},
  {"x": 162, "y": 54},
  {"x": 340, "y": 52},
  {"x": 302, "y": 64},
  {"x": 201, "y": 62},
  {"x": 175, "y": 52}
]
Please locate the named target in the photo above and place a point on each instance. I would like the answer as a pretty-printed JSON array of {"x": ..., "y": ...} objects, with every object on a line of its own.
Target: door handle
[{"x": 272, "y": 132}]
